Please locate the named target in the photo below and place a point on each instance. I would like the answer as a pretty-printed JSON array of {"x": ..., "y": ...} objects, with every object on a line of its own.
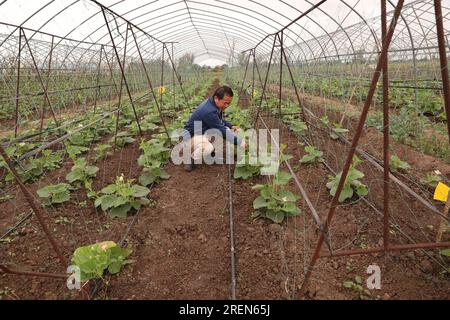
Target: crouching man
[{"x": 207, "y": 117}]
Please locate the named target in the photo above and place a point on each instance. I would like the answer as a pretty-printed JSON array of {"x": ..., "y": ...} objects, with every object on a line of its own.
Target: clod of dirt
[
  {"x": 202, "y": 238},
  {"x": 426, "y": 266}
]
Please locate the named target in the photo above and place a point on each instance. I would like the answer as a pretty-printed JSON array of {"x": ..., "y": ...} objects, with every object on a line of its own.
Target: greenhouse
[{"x": 320, "y": 171}]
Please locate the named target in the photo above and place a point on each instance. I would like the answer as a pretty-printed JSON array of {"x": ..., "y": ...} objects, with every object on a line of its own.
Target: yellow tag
[{"x": 441, "y": 193}]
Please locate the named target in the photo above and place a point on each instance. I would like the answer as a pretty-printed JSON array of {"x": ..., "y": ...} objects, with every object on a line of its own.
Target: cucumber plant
[
  {"x": 351, "y": 185},
  {"x": 245, "y": 169},
  {"x": 82, "y": 173},
  {"x": 397, "y": 165},
  {"x": 94, "y": 259},
  {"x": 432, "y": 179},
  {"x": 155, "y": 155},
  {"x": 275, "y": 202},
  {"x": 101, "y": 151},
  {"x": 313, "y": 156},
  {"x": 55, "y": 194},
  {"x": 35, "y": 167},
  {"x": 121, "y": 197},
  {"x": 338, "y": 131}
]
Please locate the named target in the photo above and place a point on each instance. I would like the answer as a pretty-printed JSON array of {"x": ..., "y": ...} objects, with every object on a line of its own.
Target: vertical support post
[
  {"x": 162, "y": 78},
  {"x": 355, "y": 141},
  {"x": 121, "y": 86},
  {"x": 150, "y": 83},
  {"x": 16, "y": 127},
  {"x": 122, "y": 68},
  {"x": 385, "y": 131},
  {"x": 110, "y": 67},
  {"x": 253, "y": 75},
  {"x": 245, "y": 76},
  {"x": 172, "y": 63},
  {"x": 280, "y": 39},
  {"x": 34, "y": 207},
  {"x": 265, "y": 81},
  {"x": 40, "y": 78},
  {"x": 174, "y": 86},
  {"x": 47, "y": 82},
  {"x": 443, "y": 58},
  {"x": 302, "y": 108},
  {"x": 97, "y": 91}
]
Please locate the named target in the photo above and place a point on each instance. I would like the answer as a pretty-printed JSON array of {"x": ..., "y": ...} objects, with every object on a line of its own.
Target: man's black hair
[{"x": 223, "y": 91}]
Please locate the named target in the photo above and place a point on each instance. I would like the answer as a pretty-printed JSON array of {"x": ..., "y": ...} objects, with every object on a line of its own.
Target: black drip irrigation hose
[
  {"x": 28, "y": 216},
  {"x": 232, "y": 247}
]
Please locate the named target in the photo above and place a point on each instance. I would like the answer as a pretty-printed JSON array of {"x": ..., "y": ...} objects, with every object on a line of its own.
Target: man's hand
[{"x": 235, "y": 129}]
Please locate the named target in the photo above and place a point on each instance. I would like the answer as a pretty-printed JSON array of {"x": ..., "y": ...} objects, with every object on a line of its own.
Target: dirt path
[{"x": 182, "y": 243}]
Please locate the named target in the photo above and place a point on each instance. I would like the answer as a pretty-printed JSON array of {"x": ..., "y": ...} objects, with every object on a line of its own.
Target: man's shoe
[{"x": 189, "y": 167}]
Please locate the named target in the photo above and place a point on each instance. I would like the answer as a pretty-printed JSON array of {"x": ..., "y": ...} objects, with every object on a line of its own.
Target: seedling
[
  {"x": 121, "y": 197},
  {"x": 55, "y": 194},
  {"x": 352, "y": 183},
  {"x": 82, "y": 173},
  {"x": 94, "y": 259},
  {"x": 275, "y": 203},
  {"x": 313, "y": 156},
  {"x": 431, "y": 180},
  {"x": 155, "y": 155},
  {"x": 396, "y": 164},
  {"x": 338, "y": 131}
]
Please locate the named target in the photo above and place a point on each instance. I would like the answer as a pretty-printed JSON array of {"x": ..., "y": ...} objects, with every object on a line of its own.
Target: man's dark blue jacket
[{"x": 211, "y": 118}]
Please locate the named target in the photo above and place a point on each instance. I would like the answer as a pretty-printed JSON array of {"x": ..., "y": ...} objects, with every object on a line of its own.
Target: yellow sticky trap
[{"x": 441, "y": 192}]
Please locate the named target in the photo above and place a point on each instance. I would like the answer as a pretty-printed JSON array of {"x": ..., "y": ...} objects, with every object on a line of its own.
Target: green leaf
[
  {"x": 146, "y": 179},
  {"x": 445, "y": 252},
  {"x": 75, "y": 175},
  {"x": 136, "y": 204},
  {"x": 120, "y": 212},
  {"x": 276, "y": 217},
  {"x": 109, "y": 189},
  {"x": 291, "y": 209},
  {"x": 140, "y": 191},
  {"x": 91, "y": 170},
  {"x": 106, "y": 202},
  {"x": 285, "y": 196},
  {"x": 259, "y": 203},
  {"x": 282, "y": 178},
  {"x": 354, "y": 174},
  {"x": 348, "y": 284},
  {"x": 346, "y": 193},
  {"x": 308, "y": 159},
  {"x": 44, "y": 193},
  {"x": 362, "y": 190},
  {"x": 266, "y": 193},
  {"x": 61, "y": 197}
]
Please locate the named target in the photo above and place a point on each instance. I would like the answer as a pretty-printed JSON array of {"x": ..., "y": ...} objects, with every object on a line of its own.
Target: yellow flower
[
  {"x": 255, "y": 93},
  {"x": 162, "y": 90}
]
